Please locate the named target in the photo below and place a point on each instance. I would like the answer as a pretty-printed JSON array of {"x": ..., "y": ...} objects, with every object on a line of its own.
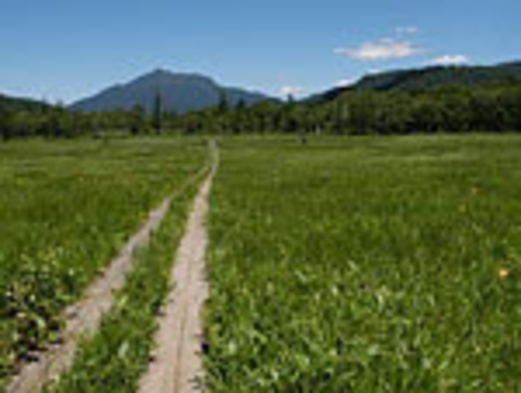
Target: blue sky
[{"x": 68, "y": 49}]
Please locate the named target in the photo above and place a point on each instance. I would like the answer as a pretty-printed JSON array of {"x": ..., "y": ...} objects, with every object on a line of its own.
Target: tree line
[
  {"x": 456, "y": 109},
  {"x": 453, "y": 109}
]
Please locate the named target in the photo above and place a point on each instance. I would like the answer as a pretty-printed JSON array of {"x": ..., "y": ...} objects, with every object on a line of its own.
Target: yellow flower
[{"x": 503, "y": 273}]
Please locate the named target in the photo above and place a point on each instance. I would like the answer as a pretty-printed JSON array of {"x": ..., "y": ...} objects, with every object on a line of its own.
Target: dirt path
[
  {"x": 84, "y": 317},
  {"x": 176, "y": 365}
]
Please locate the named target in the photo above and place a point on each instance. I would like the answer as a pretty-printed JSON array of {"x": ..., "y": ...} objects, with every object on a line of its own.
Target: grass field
[
  {"x": 366, "y": 265},
  {"x": 65, "y": 209},
  {"x": 114, "y": 358},
  {"x": 360, "y": 264}
]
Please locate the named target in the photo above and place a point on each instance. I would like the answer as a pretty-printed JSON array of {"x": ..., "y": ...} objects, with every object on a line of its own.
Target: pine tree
[
  {"x": 5, "y": 126},
  {"x": 137, "y": 120},
  {"x": 223, "y": 103},
  {"x": 241, "y": 104},
  {"x": 157, "y": 115}
]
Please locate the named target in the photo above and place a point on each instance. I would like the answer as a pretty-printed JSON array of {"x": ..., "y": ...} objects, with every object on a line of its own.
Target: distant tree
[
  {"x": 137, "y": 121},
  {"x": 241, "y": 104},
  {"x": 449, "y": 109},
  {"x": 52, "y": 127},
  {"x": 223, "y": 103},
  {"x": 363, "y": 113},
  {"x": 426, "y": 115},
  {"x": 5, "y": 125},
  {"x": 170, "y": 120},
  {"x": 487, "y": 113},
  {"x": 510, "y": 101},
  {"x": 157, "y": 113}
]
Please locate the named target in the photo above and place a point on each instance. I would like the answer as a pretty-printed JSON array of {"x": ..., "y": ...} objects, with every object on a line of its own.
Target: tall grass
[
  {"x": 366, "y": 265},
  {"x": 66, "y": 208},
  {"x": 116, "y": 356}
]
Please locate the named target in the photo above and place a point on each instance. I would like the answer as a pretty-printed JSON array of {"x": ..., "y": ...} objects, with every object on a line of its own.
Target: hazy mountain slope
[
  {"x": 431, "y": 78},
  {"x": 179, "y": 93}
]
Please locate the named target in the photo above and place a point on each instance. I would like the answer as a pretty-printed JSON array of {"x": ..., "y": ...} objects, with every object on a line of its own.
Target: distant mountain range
[
  {"x": 431, "y": 78},
  {"x": 190, "y": 92},
  {"x": 179, "y": 93}
]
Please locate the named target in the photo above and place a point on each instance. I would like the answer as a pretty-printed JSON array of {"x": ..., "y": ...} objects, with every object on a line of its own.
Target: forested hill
[
  {"x": 179, "y": 93},
  {"x": 432, "y": 78},
  {"x": 12, "y": 104}
]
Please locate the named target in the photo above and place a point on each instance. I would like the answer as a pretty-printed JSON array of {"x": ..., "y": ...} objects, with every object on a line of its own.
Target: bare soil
[{"x": 176, "y": 365}]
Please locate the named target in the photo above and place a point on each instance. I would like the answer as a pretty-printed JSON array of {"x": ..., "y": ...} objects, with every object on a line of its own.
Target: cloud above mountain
[
  {"x": 399, "y": 46},
  {"x": 383, "y": 49},
  {"x": 449, "y": 60},
  {"x": 345, "y": 82},
  {"x": 293, "y": 91}
]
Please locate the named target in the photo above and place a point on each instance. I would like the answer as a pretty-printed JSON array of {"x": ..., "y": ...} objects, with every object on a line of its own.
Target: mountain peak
[
  {"x": 159, "y": 73},
  {"x": 180, "y": 92},
  {"x": 164, "y": 79}
]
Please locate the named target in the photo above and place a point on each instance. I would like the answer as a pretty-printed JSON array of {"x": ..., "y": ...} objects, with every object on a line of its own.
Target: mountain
[
  {"x": 179, "y": 93},
  {"x": 432, "y": 78},
  {"x": 15, "y": 104}
]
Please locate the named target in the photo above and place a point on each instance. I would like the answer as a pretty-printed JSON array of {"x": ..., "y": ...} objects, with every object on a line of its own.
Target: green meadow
[
  {"x": 370, "y": 264},
  {"x": 336, "y": 264},
  {"x": 66, "y": 208}
]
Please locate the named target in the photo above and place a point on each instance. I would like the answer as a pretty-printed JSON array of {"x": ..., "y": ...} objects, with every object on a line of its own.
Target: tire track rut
[
  {"x": 176, "y": 365},
  {"x": 84, "y": 317}
]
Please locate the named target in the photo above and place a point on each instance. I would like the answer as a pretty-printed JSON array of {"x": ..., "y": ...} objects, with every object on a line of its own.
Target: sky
[{"x": 64, "y": 50}]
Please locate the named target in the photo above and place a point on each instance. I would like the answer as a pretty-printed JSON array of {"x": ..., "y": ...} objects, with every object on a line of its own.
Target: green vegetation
[
  {"x": 435, "y": 77},
  {"x": 66, "y": 208},
  {"x": 366, "y": 265},
  {"x": 451, "y": 109},
  {"x": 20, "y": 104},
  {"x": 438, "y": 99},
  {"x": 456, "y": 109},
  {"x": 22, "y": 118},
  {"x": 114, "y": 359},
  {"x": 361, "y": 264},
  {"x": 157, "y": 115}
]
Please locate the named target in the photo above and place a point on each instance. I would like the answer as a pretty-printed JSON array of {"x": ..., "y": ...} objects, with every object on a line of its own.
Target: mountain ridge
[
  {"x": 180, "y": 92},
  {"x": 430, "y": 78}
]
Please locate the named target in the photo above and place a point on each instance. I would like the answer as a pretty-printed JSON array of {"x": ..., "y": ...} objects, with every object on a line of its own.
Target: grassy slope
[
  {"x": 65, "y": 209},
  {"x": 366, "y": 265}
]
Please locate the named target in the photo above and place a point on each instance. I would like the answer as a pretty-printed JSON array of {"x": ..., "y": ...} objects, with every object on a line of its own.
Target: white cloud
[
  {"x": 406, "y": 30},
  {"x": 345, "y": 82},
  {"x": 383, "y": 49},
  {"x": 449, "y": 60},
  {"x": 291, "y": 91}
]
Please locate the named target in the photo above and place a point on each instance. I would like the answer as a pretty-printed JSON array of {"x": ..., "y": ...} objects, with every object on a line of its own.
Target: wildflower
[{"x": 503, "y": 273}]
